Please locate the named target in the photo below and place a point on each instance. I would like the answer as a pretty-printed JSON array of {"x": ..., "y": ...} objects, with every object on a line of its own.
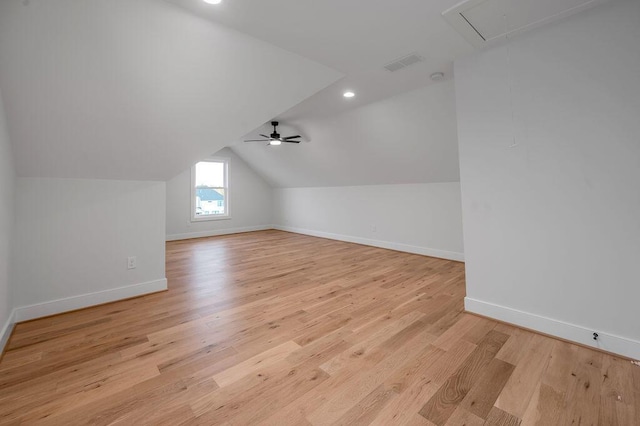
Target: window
[{"x": 210, "y": 190}]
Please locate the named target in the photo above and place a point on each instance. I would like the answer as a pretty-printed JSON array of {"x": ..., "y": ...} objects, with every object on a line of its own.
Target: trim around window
[{"x": 205, "y": 218}]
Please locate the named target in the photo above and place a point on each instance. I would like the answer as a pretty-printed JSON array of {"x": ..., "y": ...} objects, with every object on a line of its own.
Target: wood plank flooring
[{"x": 274, "y": 328}]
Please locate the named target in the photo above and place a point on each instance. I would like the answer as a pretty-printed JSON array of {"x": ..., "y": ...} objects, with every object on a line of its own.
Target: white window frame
[{"x": 207, "y": 218}]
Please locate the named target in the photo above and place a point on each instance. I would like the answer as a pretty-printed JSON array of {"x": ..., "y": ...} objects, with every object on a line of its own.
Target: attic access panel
[{"x": 482, "y": 22}]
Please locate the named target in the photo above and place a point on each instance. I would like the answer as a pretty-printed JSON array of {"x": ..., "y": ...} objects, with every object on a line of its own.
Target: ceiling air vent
[
  {"x": 482, "y": 22},
  {"x": 404, "y": 62}
]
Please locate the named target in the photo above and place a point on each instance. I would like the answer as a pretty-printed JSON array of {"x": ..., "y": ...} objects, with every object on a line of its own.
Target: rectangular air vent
[
  {"x": 404, "y": 62},
  {"x": 481, "y": 22}
]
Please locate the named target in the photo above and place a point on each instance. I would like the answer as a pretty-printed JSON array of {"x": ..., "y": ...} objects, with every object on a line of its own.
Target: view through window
[{"x": 210, "y": 190}]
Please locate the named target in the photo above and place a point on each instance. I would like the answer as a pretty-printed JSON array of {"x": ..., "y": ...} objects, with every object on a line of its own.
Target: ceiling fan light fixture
[
  {"x": 275, "y": 138},
  {"x": 213, "y": 1},
  {"x": 348, "y": 94}
]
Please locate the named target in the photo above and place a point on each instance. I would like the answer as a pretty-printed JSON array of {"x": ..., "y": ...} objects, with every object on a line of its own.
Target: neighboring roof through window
[{"x": 207, "y": 194}]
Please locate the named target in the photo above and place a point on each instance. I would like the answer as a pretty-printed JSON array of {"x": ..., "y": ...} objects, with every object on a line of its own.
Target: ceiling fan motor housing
[
  {"x": 275, "y": 134},
  {"x": 275, "y": 137}
]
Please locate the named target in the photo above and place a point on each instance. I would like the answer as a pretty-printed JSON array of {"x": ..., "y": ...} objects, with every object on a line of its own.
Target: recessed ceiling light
[
  {"x": 213, "y": 1},
  {"x": 348, "y": 94},
  {"x": 437, "y": 76}
]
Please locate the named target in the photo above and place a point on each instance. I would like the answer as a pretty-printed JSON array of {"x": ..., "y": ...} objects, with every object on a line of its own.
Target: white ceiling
[
  {"x": 400, "y": 127},
  {"x": 485, "y": 22},
  {"x": 138, "y": 90},
  {"x": 355, "y": 37},
  {"x": 359, "y": 37},
  {"x": 408, "y": 138},
  {"x": 141, "y": 89}
]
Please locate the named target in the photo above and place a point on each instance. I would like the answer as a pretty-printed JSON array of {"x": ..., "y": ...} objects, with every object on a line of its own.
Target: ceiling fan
[{"x": 275, "y": 138}]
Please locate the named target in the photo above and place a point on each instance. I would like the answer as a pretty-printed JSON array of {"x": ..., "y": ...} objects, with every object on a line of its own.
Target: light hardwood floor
[{"x": 273, "y": 328}]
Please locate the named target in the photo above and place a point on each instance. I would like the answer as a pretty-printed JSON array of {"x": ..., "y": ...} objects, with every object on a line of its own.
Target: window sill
[{"x": 210, "y": 218}]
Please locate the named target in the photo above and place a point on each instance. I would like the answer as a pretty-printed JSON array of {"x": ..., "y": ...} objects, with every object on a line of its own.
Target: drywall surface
[
  {"x": 408, "y": 138},
  {"x": 75, "y": 237},
  {"x": 419, "y": 218},
  {"x": 250, "y": 203},
  {"x": 7, "y": 182},
  {"x": 548, "y": 130},
  {"x": 93, "y": 87}
]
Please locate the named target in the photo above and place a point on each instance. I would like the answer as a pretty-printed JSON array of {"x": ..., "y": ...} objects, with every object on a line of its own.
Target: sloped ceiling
[
  {"x": 123, "y": 89},
  {"x": 408, "y": 138},
  {"x": 355, "y": 37}
]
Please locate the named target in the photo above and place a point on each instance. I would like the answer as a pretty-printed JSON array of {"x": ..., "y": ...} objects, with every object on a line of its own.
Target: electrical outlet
[{"x": 132, "y": 262}]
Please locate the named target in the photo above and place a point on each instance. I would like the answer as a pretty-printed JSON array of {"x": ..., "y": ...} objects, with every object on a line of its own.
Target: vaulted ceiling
[
  {"x": 125, "y": 89},
  {"x": 142, "y": 89},
  {"x": 401, "y": 126},
  {"x": 355, "y": 37},
  {"x": 408, "y": 138}
]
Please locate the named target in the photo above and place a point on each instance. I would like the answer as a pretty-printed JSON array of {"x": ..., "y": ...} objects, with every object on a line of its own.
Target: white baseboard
[
  {"x": 575, "y": 333},
  {"x": 5, "y": 333},
  {"x": 217, "y": 232},
  {"x": 26, "y": 313},
  {"x": 425, "y": 251}
]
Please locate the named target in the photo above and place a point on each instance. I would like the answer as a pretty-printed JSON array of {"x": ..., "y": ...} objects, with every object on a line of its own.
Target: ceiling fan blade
[
  {"x": 265, "y": 136},
  {"x": 293, "y": 137},
  {"x": 290, "y": 141},
  {"x": 258, "y": 140}
]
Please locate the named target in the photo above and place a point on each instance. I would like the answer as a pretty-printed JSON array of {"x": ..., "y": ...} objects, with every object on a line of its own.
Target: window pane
[
  {"x": 210, "y": 201},
  {"x": 209, "y": 174}
]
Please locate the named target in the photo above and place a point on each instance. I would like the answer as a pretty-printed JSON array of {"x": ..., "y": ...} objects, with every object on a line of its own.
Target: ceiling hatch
[{"x": 482, "y": 22}]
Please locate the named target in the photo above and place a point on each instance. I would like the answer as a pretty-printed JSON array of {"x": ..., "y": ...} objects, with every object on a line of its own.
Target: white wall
[
  {"x": 418, "y": 218},
  {"x": 7, "y": 178},
  {"x": 391, "y": 166},
  {"x": 74, "y": 239},
  {"x": 552, "y": 229},
  {"x": 250, "y": 198}
]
